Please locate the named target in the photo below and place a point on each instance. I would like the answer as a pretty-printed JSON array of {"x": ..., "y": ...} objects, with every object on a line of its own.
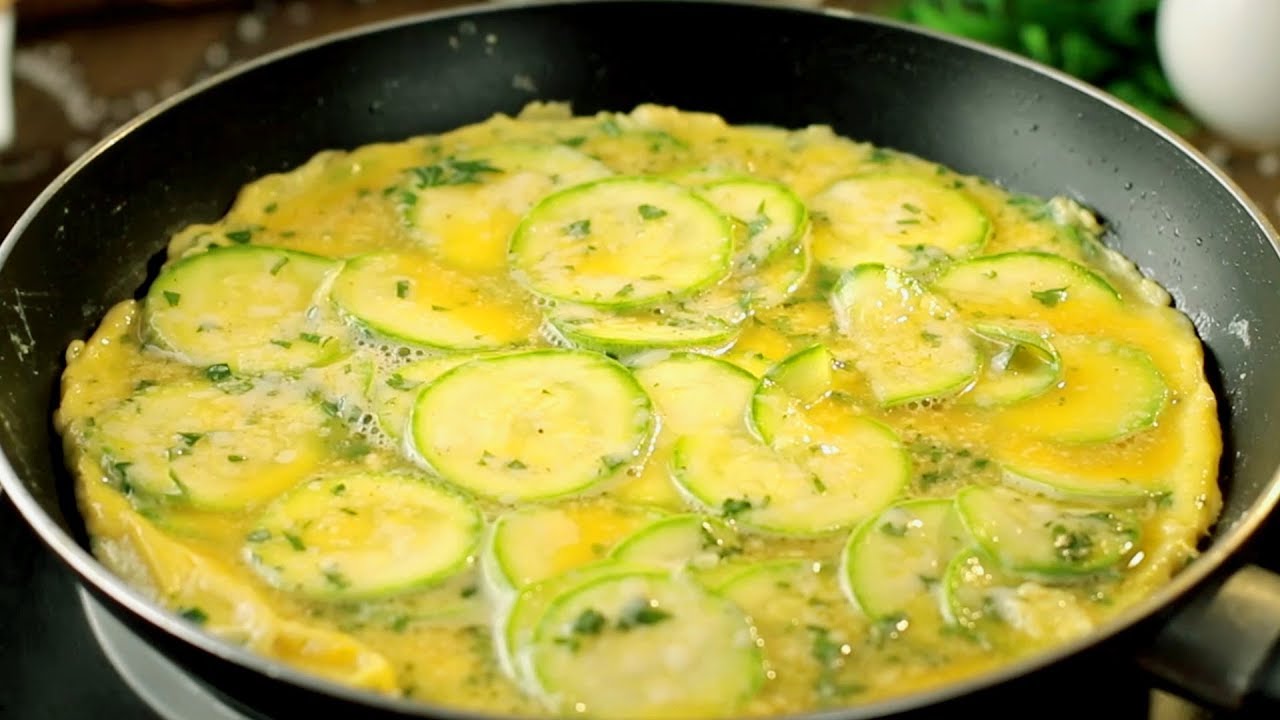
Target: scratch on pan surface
[{"x": 21, "y": 345}]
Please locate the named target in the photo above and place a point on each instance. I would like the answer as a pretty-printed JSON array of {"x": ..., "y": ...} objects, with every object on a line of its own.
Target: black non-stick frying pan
[{"x": 93, "y": 236}]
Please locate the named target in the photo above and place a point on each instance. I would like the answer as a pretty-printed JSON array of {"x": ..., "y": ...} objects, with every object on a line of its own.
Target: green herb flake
[
  {"x": 218, "y": 373},
  {"x": 400, "y": 382},
  {"x": 651, "y": 212},
  {"x": 172, "y": 298},
  {"x": 402, "y": 289},
  {"x": 578, "y": 228},
  {"x": 294, "y": 541},
  {"x": 588, "y": 622},
  {"x": 194, "y": 614},
  {"x": 1050, "y": 297},
  {"x": 641, "y": 612},
  {"x": 312, "y": 338},
  {"x": 932, "y": 339},
  {"x": 336, "y": 579},
  {"x": 270, "y": 208},
  {"x": 338, "y": 489},
  {"x": 235, "y": 458},
  {"x": 625, "y": 291},
  {"x": 279, "y": 265},
  {"x": 893, "y": 529},
  {"x": 469, "y": 591},
  {"x": 516, "y": 465},
  {"x": 452, "y": 171},
  {"x": 400, "y": 623},
  {"x": 574, "y": 141},
  {"x": 732, "y": 507},
  {"x": 240, "y": 237},
  {"x": 282, "y": 343},
  {"x": 190, "y": 438},
  {"x": 909, "y": 207},
  {"x": 611, "y": 128}
]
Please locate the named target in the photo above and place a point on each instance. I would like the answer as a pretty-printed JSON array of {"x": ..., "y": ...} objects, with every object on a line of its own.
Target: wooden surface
[{"x": 81, "y": 74}]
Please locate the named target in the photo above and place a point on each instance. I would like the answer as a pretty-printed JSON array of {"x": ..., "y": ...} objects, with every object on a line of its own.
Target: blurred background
[{"x": 72, "y": 71}]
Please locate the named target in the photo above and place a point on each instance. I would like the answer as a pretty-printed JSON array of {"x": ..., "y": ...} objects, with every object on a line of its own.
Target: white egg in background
[{"x": 1222, "y": 58}]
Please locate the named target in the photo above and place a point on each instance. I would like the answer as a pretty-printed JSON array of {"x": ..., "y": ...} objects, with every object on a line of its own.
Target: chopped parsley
[
  {"x": 194, "y": 614},
  {"x": 240, "y": 237},
  {"x": 651, "y": 212},
  {"x": 641, "y": 611},
  {"x": 452, "y": 171},
  {"x": 732, "y": 507},
  {"x": 578, "y": 228},
  {"x": 279, "y": 265},
  {"x": 516, "y": 465},
  {"x": 402, "y": 289},
  {"x": 235, "y": 458},
  {"x": 399, "y": 382},
  {"x": 1050, "y": 297},
  {"x": 294, "y": 541},
  {"x": 172, "y": 297}
]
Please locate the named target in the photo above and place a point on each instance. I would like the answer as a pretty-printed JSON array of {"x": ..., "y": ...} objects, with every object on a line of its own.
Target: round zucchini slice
[
  {"x": 210, "y": 447},
  {"x": 532, "y": 425},
  {"x": 247, "y": 307},
  {"x": 709, "y": 323},
  {"x": 1025, "y": 283},
  {"x": 532, "y": 544},
  {"x": 1019, "y": 364},
  {"x": 410, "y": 298},
  {"x": 1067, "y": 486},
  {"x": 800, "y": 381},
  {"x": 645, "y": 646},
  {"x": 1108, "y": 391},
  {"x": 982, "y": 599},
  {"x": 791, "y": 603},
  {"x": 363, "y": 535},
  {"x": 771, "y": 216},
  {"x": 1041, "y": 537},
  {"x": 893, "y": 220},
  {"x": 517, "y": 627},
  {"x": 908, "y": 343},
  {"x": 621, "y": 242},
  {"x": 465, "y": 207},
  {"x": 894, "y": 563},
  {"x": 393, "y": 394},
  {"x": 845, "y": 469},
  {"x": 679, "y": 541}
]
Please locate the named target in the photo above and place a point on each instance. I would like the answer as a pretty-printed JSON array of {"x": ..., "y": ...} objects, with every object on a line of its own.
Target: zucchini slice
[
  {"x": 982, "y": 599},
  {"x": 680, "y": 541},
  {"x": 770, "y": 215},
  {"x": 1019, "y": 364},
  {"x": 532, "y": 544},
  {"x": 790, "y": 603},
  {"x": 645, "y": 646},
  {"x": 1041, "y": 537},
  {"x": 693, "y": 392},
  {"x": 215, "y": 448},
  {"x": 1109, "y": 390},
  {"x": 689, "y": 391},
  {"x": 532, "y": 425},
  {"x": 410, "y": 298},
  {"x": 898, "y": 558},
  {"x": 800, "y": 381},
  {"x": 465, "y": 207},
  {"x": 849, "y": 468},
  {"x": 515, "y": 629},
  {"x": 1025, "y": 283},
  {"x": 892, "y": 220},
  {"x": 363, "y": 535},
  {"x": 621, "y": 242},
  {"x": 248, "y": 307},
  {"x": 909, "y": 343},
  {"x": 393, "y": 394},
  {"x": 1079, "y": 488},
  {"x": 777, "y": 279},
  {"x": 709, "y": 322}
]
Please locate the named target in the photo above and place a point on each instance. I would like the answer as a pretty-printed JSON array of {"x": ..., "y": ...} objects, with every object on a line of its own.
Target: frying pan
[{"x": 96, "y": 235}]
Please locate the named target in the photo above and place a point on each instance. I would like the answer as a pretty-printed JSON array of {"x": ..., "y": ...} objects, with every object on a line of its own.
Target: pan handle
[{"x": 1223, "y": 648}]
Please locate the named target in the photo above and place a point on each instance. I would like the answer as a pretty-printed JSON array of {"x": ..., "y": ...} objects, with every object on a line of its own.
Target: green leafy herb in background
[{"x": 1108, "y": 43}]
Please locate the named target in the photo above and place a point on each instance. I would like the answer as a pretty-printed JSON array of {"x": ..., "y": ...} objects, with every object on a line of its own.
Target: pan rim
[{"x": 102, "y": 581}]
